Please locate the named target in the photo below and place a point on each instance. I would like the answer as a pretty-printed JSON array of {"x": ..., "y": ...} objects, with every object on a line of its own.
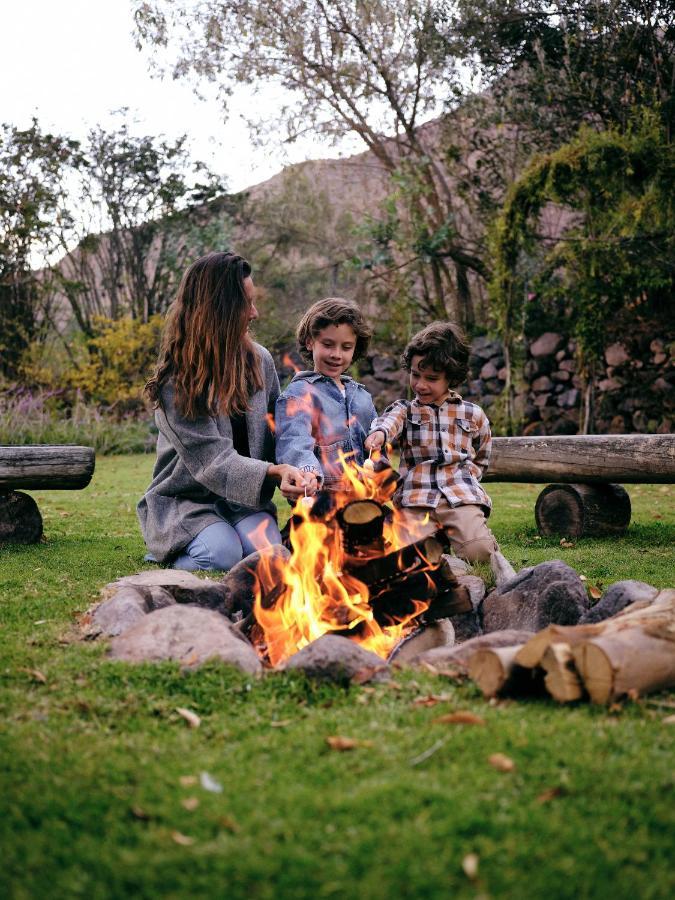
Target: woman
[{"x": 209, "y": 503}]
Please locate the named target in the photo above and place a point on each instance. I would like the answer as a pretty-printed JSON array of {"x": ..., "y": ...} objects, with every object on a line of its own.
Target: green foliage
[
  {"x": 91, "y": 761},
  {"x": 616, "y": 252}
]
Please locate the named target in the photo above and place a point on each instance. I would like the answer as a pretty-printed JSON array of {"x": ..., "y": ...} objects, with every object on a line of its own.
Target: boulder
[
  {"x": 542, "y": 384},
  {"x": 617, "y": 597},
  {"x": 616, "y": 354},
  {"x": 335, "y": 658},
  {"x": 545, "y": 594},
  {"x": 123, "y": 609},
  {"x": 189, "y": 635},
  {"x": 184, "y": 587}
]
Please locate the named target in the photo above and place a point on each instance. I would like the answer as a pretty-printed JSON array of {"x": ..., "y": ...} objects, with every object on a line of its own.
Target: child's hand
[{"x": 374, "y": 441}]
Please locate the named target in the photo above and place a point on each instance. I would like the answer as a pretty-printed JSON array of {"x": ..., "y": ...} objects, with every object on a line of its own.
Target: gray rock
[
  {"x": 119, "y": 612},
  {"x": 188, "y": 635},
  {"x": 457, "y": 657},
  {"x": 545, "y": 594},
  {"x": 335, "y": 658},
  {"x": 546, "y": 345},
  {"x": 542, "y": 385},
  {"x": 184, "y": 587},
  {"x": 437, "y": 634},
  {"x": 617, "y": 597},
  {"x": 616, "y": 354},
  {"x": 569, "y": 398},
  {"x": 488, "y": 371},
  {"x": 241, "y": 583}
]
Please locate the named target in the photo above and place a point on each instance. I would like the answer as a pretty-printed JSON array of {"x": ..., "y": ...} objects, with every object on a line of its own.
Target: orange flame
[{"x": 310, "y": 594}]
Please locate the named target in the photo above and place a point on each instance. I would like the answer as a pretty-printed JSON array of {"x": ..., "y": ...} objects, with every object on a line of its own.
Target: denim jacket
[{"x": 314, "y": 421}]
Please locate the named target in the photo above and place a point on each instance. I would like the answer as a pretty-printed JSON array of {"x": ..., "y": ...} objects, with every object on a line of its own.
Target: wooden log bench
[
  {"x": 34, "y": 468},
  {"x": 586, "y": 497}
]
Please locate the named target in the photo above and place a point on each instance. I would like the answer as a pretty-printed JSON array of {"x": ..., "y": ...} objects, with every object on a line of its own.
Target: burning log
[
  {"x": 379, "y": 571},
  {"x": 362, "y": 523}
]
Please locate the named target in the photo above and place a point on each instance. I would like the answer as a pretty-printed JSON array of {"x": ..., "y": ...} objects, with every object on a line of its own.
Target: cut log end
[
  {"x": 561, "y": 679},
  {"x": 582, "y": 510},
  {"x": 20, "y": 519}
]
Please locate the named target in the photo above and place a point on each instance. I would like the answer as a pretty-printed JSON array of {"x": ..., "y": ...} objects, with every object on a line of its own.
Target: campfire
[{"x": 354, "y": 570}]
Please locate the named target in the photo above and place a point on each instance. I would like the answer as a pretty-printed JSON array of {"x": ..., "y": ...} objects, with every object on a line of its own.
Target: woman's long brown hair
[{"x": 205, "y": 346}]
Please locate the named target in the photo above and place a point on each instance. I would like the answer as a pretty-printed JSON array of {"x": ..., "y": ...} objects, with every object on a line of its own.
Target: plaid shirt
[{"x": 444, "y": 451}]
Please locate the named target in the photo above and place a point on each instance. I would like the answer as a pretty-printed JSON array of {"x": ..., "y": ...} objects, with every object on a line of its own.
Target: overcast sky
[{"x": 70, "y": 62}]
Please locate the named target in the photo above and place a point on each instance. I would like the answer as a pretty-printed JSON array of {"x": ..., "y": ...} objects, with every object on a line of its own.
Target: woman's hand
[
  {"x": 293, "y": 482},
  {"x": 374, "y": 441}
]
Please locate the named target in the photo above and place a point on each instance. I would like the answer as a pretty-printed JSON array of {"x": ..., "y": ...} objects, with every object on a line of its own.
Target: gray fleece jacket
[{"x": 197, "y": 468}]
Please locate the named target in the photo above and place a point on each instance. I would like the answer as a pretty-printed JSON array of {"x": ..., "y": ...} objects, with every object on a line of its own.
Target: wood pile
[{"x": 630, "y": 654}]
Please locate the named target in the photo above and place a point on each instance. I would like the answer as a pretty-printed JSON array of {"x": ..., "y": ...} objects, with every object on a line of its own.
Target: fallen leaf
[
  {"x": 583, "y": 578},
  {"x": 228, "y": 823},
  {"x": 669, "y": 720},
  {"x": 190, "y": 803},
  {"x": 615, "y": 708},
  {"x": 470, "y": 865},
  {"x": 188, "y": 780},
  {"x": 210, "y": 784},
  {"x": 281, "y": 723},
  {"x": 446, "y": 673},
  {"x": 139, "y": 813},
  {"x": 35, "y": 674},
  {"x": 461, "y": 717},
  {"x": 191, "y": 718},
  {"x": 633, "y": 694},
  {"x": 565, "y": 543},
  {"x": 501, "y": 762},
  {"x": 594, "y": 591},
  {"x": 339, "y": 742},
  {"x": 432, "y": 699},
  {"x": 182, "y": 839},
  {"x": 551, "y": 794}
]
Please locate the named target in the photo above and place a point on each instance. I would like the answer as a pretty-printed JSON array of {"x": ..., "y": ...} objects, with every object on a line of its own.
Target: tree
[
  {"x": 375, "y": 69},
  {"x": 142, "y": 213},
  {"x": 617, "y": 252},
  {"x": 32, "y": 209}
]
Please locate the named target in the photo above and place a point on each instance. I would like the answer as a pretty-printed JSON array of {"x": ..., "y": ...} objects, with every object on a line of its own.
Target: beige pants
[{"x": 465, "y": 526}]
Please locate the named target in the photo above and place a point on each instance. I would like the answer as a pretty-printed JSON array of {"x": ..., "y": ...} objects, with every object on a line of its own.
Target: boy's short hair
[
  {"x": 333, "y": 311},
  {"x": 443, "y": 347}
]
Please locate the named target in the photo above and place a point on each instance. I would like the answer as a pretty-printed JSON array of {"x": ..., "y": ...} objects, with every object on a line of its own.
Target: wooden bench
[
  {"x": 34, "y": 468},
  {"x": 587, "y": 471}
]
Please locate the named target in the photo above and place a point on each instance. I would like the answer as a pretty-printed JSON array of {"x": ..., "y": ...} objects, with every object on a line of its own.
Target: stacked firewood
[{"x": 630, "y": 654}]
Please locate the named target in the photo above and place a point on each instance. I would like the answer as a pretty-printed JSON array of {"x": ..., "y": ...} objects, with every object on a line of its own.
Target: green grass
[{"x": 91, "y": 760}]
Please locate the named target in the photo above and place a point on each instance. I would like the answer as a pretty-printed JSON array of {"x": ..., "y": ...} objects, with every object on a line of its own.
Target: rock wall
[{"x": 634, "y": 394}]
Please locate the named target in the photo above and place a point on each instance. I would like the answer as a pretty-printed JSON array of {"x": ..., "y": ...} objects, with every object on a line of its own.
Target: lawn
[{"x": 101, "y": 793}]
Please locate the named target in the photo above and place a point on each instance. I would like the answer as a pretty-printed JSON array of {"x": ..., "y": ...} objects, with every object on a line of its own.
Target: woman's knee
[
  {"x": 258, "y": 531},
  {"x": 216, "y": 547}
]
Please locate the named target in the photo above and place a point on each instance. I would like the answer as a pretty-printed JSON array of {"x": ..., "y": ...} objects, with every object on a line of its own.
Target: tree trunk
[{"x": 20, "y": 519}]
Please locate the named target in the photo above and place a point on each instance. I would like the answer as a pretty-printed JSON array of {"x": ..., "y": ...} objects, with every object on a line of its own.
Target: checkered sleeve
[
  {"x": 392, "y": 420},
  {"x": 482, "y": 444}
]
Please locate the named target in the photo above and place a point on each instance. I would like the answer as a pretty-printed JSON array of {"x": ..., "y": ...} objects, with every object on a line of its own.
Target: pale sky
[{"x": 70, "y": 62}]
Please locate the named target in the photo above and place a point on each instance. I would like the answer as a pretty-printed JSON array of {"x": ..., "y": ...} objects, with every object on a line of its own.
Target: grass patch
[{"x": 91, "y": 759}]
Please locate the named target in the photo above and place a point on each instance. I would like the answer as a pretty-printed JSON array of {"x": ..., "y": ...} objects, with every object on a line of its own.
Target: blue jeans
[{"x": 222, "y": 545}]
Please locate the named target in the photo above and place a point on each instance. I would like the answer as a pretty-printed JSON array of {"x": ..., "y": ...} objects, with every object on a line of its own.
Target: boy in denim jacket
[
  {"x": 324, "y": 412},
  {"x": 444, "y": 441}
]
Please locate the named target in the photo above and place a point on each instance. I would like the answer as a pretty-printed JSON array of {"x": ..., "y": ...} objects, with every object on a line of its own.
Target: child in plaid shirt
[{"x": 444, "y": 442}]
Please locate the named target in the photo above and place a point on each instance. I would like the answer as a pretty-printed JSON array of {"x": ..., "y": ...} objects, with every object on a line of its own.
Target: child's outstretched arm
[
  {"x": 387, "y": 426},
  {"x": 482, "y": 444},
  {"x": 295, "y": 440}
]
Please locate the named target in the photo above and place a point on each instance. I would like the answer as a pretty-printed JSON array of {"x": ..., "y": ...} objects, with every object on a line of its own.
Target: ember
[{"x": 353, "y": 570}]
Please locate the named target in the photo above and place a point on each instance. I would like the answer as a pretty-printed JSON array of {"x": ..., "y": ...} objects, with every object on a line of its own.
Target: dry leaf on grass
[
  {"x": 432, "y": 699},
  {"x": 35, "y": 674},
  {"x": 182, "y": 839},
  {"x": 190, "y": 803},
  {"x": 551, "y": 794},
  {"x": 339, "y": 742},
  {"x": 139, "y": 813},
  {"x": 191, "y": 718},
  {"x": 461, "y": 717},
  {"x": 470, "y": 865},
  {"x": 280, "y": 723},
  {"x": 446, "y": 673},
  {"x": 565, "y": 543},
  {"x": 669, "y": 720},
  {"x": 501, "y": 762},
  {"x": 594, "y": 591},
  {"x": 188, "y": 780},
  {"x": 228, "y": 823}
]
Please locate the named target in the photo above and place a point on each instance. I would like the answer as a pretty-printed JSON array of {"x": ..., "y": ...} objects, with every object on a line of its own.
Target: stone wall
[{"x": 634, "y": 394}]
